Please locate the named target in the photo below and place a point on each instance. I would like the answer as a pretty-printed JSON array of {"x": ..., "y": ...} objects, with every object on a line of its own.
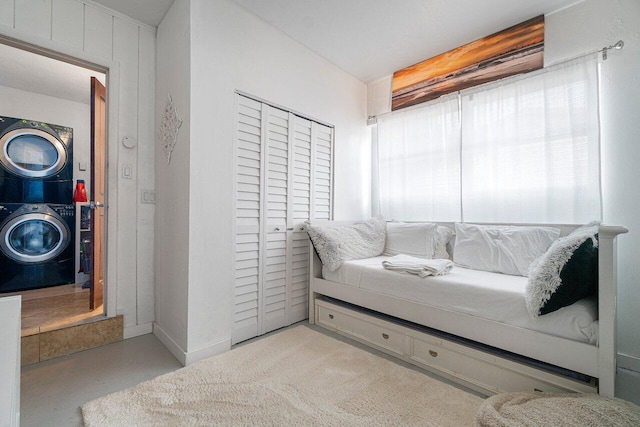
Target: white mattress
[{"x": 492, "y": 296}]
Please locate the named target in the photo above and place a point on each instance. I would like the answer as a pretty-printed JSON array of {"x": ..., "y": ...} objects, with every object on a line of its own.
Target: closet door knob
[
  {"x": 277, "y": 228},
  {"x": 385, "y": 336}
]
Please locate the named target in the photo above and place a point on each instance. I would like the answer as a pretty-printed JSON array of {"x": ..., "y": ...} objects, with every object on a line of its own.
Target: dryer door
[
  {"x": 32, "y": 153},
  {"x": 34, "y": 237}
]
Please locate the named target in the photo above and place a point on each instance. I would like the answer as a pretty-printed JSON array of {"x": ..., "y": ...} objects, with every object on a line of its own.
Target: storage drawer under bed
[
  {"x": 366, "y": 328},
  {"x": 474, "y": 368}
]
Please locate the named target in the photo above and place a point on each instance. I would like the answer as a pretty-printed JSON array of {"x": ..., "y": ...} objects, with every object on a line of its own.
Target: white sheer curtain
[
  {"x": 527, "y": 151},
  {"x": 419, "y": 163},
  {"x": 530, "y": 147}
]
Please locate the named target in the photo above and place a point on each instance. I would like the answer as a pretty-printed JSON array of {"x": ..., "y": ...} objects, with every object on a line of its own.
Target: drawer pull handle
[
  {"x": 331, "y": 316},
  {"x": 433, "y": 353},
  {"x": 385, "y": 336}
]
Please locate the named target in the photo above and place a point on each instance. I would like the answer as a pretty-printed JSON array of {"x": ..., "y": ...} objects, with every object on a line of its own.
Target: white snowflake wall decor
[{"x": 169, "y": 127}]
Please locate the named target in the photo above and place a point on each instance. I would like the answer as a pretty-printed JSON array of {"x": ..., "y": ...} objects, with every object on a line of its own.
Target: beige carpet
[
  {"x": 536, "y": 409},
  {"x": 295, "y": 377}
]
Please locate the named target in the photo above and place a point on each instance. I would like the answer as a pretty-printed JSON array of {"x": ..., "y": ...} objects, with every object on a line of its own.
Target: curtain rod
[
  {"x": 373, "y": 120},
  {"x": 616, "y": 46}
]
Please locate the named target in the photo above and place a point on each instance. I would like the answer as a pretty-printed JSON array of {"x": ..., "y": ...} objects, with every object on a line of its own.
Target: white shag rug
[
  {"x": 542, "y": 409},
  {"x": 295, "y": 377}
]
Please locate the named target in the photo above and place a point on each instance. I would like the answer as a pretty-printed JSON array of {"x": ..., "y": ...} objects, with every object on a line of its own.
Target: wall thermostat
[{"x": 129, "y": 142}]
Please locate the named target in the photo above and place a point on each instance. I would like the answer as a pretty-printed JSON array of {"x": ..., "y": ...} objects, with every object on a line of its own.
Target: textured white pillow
[
  {"x": 415, "y": 239},
  {"x": 501, "y": 248},
  {"x": 443, "y": 236},
  {"x": 338, "y": 243}
]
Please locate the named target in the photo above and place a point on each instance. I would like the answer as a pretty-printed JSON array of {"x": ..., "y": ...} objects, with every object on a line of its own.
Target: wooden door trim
[{"x": 97, "y": 192}]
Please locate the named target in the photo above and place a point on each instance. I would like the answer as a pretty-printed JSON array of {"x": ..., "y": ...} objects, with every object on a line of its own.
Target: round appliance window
[
  {"x": 32, "y": 153},
  {"x": 34, "y": 238}
]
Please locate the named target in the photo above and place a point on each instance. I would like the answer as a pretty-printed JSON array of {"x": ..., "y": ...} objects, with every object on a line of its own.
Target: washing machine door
[
  {"x": 32, "y": 153},
  {"x": 34, "y": 237}
]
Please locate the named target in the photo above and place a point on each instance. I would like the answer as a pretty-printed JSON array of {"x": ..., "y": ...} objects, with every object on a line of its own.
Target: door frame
[{"x": 65, "y": 53}]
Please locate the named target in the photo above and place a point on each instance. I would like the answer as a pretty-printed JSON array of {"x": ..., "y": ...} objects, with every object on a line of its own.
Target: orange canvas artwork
[{"x": 516, "y": 50}]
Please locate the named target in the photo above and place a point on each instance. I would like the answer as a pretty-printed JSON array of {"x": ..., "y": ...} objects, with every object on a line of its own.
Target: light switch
[
  {"x": 82, "y": 166},
  {"x": 148, "y": 197},
  {"x": 127, "y": 172}
]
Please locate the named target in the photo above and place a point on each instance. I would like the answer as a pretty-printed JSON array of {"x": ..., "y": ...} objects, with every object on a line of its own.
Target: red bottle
[{"x": 80, "y": 195}]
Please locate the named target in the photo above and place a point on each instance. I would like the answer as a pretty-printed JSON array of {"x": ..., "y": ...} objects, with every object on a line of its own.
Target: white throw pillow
[
  {"x": 415, "y": 239},
  {"x": 338, "y": 243},
  {"x": 443, "y": 236},
  {"x": 501, "y": 248}
]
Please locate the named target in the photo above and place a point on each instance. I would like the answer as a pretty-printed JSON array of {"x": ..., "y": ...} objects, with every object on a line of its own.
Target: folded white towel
[{"x": 419, "y": 266}]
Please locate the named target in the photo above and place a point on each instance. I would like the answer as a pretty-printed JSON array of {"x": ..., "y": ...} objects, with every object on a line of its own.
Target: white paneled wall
[
  {"x": 6, "y": 13},
  {"x": 98, "y": 32},
  {"x": 125, "y": 51},
  {"x": 145, "y": 177},
  {"x": 34, "y": 17},
  {"x": 84, "y": 26},
  {"x": 67, "y": 22}
]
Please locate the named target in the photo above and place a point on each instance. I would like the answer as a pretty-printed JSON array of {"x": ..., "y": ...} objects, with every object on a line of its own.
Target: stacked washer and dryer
[{"x": 37, "y": 214}]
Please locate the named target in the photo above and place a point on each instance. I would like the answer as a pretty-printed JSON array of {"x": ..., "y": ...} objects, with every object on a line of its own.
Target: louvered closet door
[
  {"x": 283, "y": 178},
  {"x": 322, "y": 162},
  {"x": 312, "y": 183},
  {"x": 248, "y": 219},
  {"x": 276, "y": 251},
  {"x": 301, "y": 211}
]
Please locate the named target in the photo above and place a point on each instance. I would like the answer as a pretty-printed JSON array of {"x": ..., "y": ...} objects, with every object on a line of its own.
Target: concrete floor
[{"x": 52, "y": 391}]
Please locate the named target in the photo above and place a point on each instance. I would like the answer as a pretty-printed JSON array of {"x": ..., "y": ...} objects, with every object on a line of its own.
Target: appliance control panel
[{"x": 65, "y": 211}]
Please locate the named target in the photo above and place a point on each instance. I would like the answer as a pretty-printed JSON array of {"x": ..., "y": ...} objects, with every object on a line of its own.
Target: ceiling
[
  {"x": 150, "y": 12},
  {"x": 31, "y": 72},
  {"x": 370, "y": 39}
]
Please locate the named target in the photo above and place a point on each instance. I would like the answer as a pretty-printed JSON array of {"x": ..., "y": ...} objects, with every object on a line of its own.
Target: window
[
  {"x": 419, "y": 163},
  {"x": 525, "y": 149}
]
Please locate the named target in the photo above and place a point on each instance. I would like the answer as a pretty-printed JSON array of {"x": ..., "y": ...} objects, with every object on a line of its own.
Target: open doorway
[{"x": 53, "y": 142}]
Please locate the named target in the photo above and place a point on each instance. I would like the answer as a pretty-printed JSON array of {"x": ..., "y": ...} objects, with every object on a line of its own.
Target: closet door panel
[
  {"x": 301, "y": 212},
  {"x": 299, "y": 273},
  {"x": 276, "y": 178},
  {"x": 322, "y": 171},
  {"x": 248, "y": 224},
  {"x": 301, "y": 171}
]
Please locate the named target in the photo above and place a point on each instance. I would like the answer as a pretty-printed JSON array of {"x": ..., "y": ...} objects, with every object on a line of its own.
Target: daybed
[{"x": 432, "y": 327}]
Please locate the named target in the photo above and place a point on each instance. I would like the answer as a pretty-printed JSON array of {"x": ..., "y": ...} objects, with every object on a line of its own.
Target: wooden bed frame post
[{"x": 607, "y": 308}]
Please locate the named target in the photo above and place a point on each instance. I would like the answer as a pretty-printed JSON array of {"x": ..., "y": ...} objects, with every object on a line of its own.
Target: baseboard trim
[
  {"x": 137, "y": 330},
  {"x": 171, "y": 345},
  {"x": 630, "y": 363},
  {"x": 208, "y": 351},
  {"x": 187, "y": 358}
]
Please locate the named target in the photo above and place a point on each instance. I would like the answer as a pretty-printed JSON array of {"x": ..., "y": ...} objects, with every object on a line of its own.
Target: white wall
[
  {"x": 172, "y": 182},
  {"x": 585, "y": 27},
  {"x": 582, "y": 28},
  {"x": 233, "y": 50},
  {"x": 85, "y": 30}
]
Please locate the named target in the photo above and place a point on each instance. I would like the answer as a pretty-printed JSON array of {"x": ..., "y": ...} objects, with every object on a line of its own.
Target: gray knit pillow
[{"x": 338, "y": 243}]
